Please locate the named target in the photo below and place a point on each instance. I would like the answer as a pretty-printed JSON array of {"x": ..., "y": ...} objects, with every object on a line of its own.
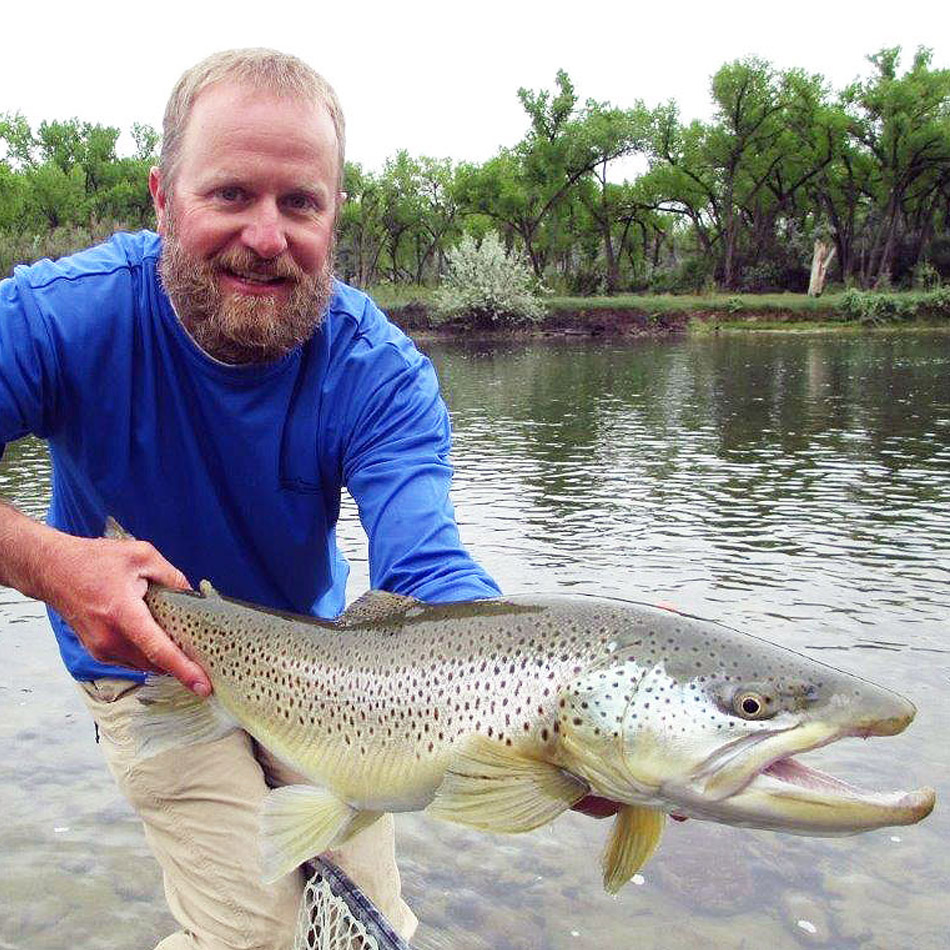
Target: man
[{"x": 213, "y": 388}]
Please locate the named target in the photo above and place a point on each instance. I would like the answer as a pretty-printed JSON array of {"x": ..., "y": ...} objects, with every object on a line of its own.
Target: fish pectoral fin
[
  {"x": 633, "y": 838},
  {"x": 171, "y": 717},
  {"x": 494, "y": 788},
  {"x": 376, "y": 606},
  {"x": 299, "y": 822}
]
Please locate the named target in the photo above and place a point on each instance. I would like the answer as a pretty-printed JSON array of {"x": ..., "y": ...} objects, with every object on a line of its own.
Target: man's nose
[{"x": 264, "y": 231}]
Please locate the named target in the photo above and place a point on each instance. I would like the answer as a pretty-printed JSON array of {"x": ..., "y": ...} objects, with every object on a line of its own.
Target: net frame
[{"x": 336, "y": 915}]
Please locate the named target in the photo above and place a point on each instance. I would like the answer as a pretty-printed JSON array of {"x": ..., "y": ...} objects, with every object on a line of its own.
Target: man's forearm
[{"x": 28, "y": 549}]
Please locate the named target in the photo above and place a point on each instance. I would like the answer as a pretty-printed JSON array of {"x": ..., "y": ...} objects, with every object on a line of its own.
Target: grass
[
  {"x": 400, "y": 295},
  {"x": 786, "y": 311},
  {"x": 393, "y": 296},
  {"x": 703, "y": 303}
]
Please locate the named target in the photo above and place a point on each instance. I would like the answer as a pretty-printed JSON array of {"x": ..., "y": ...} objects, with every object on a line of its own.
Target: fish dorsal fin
[
  {"x": 496, "y": 788},
  {"x": 299, "y": 822},
  {"x": 376, "y": 606},
  {"x": 633, "y": 838},
  {"x": 115, "y": 531}
]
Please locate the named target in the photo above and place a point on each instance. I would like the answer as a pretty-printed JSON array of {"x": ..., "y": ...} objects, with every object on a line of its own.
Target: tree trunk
[{"x": 821, "y": 259}]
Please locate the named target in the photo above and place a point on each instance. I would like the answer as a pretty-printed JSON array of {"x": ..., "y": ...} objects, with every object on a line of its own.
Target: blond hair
[{"x": 266, "y": 69}]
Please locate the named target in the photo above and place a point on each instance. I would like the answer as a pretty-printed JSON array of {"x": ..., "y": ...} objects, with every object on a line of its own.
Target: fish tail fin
[
  {"x": 171, "y": 716},
  {"x": 299, "y": 822}
]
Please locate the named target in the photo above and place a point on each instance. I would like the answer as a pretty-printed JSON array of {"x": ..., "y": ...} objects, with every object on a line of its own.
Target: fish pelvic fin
[
  {"x": 299, "y": 822},
  {"x": 496, "y": 788},
  {"x": 633, "y": 838},
  {"x": 171, "y": 716}
]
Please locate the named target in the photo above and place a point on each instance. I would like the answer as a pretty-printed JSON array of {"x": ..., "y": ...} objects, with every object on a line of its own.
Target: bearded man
[{"x": 214, "y": 388}]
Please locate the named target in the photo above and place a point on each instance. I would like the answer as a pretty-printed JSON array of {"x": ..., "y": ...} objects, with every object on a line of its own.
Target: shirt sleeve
[
  {"x": 396, "y": 466},
  {"x": 28, "y": 365}
]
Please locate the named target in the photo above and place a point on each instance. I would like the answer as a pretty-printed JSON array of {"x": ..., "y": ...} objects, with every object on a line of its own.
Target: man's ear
[{"x": 159, "y": 197}]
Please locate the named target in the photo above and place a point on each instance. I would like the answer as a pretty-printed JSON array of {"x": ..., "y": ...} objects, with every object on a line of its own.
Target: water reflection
[
  {"x": 703, "y": 470},
  {"x": 794, "y": 487}
]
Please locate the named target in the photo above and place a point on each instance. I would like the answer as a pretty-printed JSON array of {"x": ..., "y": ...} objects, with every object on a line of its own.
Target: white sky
[{"x": 439, "y": 77}]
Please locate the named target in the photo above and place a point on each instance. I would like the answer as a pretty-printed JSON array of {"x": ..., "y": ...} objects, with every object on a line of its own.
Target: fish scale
[{"x": 391, "y": 684}]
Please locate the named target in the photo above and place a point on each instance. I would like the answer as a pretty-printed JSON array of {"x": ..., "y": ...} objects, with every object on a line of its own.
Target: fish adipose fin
[
  {"x": 298, "y": 822},
  {"x": 635, "y": 834},
  {"x": 171, "y": 717},
  {"x": 495, "y": 788},
  {"x": 376, "y": 606}
]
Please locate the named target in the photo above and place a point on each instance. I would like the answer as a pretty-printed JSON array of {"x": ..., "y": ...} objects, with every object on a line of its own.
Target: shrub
[
  {"x": 874, "y": 307},
  {"x": 693, "y": 276},
  {"x": 926, "y": 276},
  {"x": 938, "y": 254},
  {"x": 484, "y": 284},
  {"x": 26, "y": 247},
  {"x": 762, "y": 277},
  {"x": 937, "y": 302}
]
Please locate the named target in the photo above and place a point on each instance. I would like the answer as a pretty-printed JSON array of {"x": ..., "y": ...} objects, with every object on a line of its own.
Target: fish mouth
[{"x": 758, "y": 782}]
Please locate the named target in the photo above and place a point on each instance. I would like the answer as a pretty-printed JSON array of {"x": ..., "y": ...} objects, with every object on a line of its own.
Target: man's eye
[
  {"x": 300, "y": 203},
  {"x": 230, "y": 193}
]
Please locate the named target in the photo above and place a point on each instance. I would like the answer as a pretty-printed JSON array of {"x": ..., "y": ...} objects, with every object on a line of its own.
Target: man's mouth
[
  {"x": 254, "y": 280},
  {"x": 256, "y": 277}
]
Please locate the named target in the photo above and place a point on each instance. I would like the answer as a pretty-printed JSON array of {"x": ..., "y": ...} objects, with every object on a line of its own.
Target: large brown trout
[{"x": 501, "y": 714}]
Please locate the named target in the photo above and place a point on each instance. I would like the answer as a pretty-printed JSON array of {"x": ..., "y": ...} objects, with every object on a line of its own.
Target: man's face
[{"x": 247, "y": 224}]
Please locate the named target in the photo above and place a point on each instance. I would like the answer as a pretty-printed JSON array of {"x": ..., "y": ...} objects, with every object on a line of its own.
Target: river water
[{"x": 796, "y": 487}]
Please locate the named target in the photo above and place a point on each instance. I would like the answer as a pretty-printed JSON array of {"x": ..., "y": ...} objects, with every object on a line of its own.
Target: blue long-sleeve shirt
[{"x": 233, "y": 472}]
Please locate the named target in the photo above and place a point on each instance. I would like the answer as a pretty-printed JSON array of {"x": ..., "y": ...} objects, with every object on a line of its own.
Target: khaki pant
[{"x": 200, "y": 805}]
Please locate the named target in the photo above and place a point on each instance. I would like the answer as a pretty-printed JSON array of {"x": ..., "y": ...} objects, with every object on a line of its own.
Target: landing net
[{"x": 336, "y": 915}]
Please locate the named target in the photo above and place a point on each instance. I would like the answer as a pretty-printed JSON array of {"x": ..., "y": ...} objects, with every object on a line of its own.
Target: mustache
[{"x": 245, "y": 261}]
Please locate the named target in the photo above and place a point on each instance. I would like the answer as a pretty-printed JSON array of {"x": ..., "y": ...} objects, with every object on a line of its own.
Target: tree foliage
[{"x": 737, "y": 201}]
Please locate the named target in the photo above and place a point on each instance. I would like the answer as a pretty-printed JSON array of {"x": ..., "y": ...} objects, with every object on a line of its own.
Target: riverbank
[{"x": 653, "y": 315}]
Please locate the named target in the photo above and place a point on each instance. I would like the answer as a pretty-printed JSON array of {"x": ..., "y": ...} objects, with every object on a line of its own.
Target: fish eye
[{"x": 750, "y": 705}]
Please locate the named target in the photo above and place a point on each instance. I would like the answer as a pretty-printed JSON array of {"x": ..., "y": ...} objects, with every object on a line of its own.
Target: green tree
[
  {"x": 16, "y": 136},
  {"x": 903, "y": 124},
  {"x": 522, "y": 187}
]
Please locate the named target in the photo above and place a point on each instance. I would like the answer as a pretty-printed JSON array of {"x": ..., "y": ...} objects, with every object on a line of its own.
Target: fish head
[{"x": 706, "y": 722}]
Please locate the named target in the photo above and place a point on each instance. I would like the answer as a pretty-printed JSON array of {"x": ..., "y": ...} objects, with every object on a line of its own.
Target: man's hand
[
  {"x": 104, "y": 606},
  {"x": 97, "y": 586}
]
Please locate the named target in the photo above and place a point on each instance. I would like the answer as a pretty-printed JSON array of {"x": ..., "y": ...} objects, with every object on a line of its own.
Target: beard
[{"x": 243, "y": 328}]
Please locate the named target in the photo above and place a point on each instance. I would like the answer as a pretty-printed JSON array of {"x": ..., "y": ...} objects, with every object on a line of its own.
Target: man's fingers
[
  {"x": 161, "y": 653},
  {"x": 170, "y": 576},
  {"x": 151, "y": 566}
]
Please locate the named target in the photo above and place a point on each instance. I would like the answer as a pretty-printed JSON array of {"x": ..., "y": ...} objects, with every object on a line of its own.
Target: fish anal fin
[
  {"x": 299, "y": 822},
  {"x": 496, "y": 788},
  {"x": 376, "y": 606},
  {"x": 633, "y": 838}
]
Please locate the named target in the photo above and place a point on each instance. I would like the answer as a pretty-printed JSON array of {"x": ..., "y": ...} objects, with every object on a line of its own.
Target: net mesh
[{"x": 336, "y": 915}]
